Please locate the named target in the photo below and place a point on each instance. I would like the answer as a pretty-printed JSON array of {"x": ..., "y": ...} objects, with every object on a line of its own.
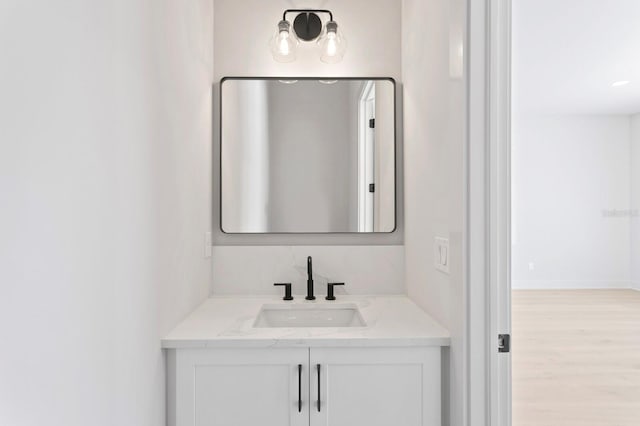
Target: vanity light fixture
[{"x": 307, "y": 26}]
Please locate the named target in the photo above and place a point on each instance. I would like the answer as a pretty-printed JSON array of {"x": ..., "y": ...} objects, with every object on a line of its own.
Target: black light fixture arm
[{"x": 284, "y": 15}]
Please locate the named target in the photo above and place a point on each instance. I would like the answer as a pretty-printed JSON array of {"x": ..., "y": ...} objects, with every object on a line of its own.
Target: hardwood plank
[{"x": 576, "y": 357}]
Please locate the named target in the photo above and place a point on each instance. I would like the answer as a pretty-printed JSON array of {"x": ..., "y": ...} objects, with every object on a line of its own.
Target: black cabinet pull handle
[
  {"x": 299, "y": 388},
  {"x": 318, "y": 367}
]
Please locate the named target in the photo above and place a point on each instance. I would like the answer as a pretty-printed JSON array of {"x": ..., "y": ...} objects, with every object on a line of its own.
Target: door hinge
[
  {"x": 372, "y": 123},
  {"x": 372, "y": 187},
  {"x": 504, "y": 343}
]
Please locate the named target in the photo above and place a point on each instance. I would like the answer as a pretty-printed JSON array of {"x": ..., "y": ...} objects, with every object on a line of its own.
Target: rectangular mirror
[{"x": 307, "y": 155}]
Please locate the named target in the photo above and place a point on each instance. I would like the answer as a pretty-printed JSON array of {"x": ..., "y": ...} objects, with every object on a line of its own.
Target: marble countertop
[{"x": 226, "y": 321}]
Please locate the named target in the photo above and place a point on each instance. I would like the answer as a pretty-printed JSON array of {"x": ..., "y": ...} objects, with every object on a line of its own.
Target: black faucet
[{"x": 310, "y": 295}]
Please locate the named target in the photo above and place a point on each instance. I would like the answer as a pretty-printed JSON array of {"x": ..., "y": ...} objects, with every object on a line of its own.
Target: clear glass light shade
[
  {"x": 332, "y": 44},
  {"x": 284, "y": 43}
]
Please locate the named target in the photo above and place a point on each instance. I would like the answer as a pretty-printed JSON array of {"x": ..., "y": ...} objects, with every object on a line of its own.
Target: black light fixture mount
[{"x": 307, "y": 24}]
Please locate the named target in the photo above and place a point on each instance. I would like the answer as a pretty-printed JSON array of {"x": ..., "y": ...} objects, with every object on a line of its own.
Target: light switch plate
[{"x": 441, "y": 254}]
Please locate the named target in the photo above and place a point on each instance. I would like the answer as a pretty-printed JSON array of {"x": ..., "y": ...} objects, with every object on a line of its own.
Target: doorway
[{"x": 569, "y": 194}]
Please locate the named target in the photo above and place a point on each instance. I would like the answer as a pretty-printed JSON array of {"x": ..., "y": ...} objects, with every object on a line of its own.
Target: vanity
[
  {"x": 358, "y": 360},
  {"x": 306, "y": 156}
]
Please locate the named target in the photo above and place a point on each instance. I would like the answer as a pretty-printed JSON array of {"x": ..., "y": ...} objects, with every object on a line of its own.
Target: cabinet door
[
  {"x": 375, "y": 386},
  {"x": 245, "y": 387}
]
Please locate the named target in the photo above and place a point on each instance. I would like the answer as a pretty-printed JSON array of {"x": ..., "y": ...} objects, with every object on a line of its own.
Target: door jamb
[
  {"x": 487, "y": 251},
  {"x": 363, "y": 128},
  {"x": 500, "y": 207}
]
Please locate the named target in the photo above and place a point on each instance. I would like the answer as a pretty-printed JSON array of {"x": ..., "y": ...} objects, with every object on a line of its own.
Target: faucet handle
[
  {"x": 287, "y": 290},
  {"x": 330, "y": 286}
]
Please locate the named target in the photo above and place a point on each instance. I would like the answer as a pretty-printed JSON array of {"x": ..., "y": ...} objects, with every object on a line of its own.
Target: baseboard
[
  {"x": 635, "y": 285},
  {"x": 571, "y": 285}
]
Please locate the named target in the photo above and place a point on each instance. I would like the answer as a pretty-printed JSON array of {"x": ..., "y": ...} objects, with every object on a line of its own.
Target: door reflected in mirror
[{"x": 301, "y": 155}]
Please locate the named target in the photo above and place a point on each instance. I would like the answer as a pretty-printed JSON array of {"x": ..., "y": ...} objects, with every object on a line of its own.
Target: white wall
[
  {"x": 367, "y": 25},
  {"x": 321, "y": 193},
  {"x": 385, "y": 168},
  {"x": 243, "y": 29},
  {"x": 434, "y": 134},
  {"x": 364, "y": 270},
  {"x": 568, "y": 172},
  {"x": 245, "y": 166},
  {"x": 104, "y": 175},
  {"x": 635, "y": 201}
]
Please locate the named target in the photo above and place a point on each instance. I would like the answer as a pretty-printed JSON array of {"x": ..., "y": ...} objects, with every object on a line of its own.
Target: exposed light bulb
[
  {"x": 332, "y": 45},
  {"x": 284, "y": 43}
]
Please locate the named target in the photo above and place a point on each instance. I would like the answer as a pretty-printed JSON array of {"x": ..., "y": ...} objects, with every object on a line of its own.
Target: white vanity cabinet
[
  {"x": 238, "y": 387},
  {"x": 375, "y": 386},
  {"x": 312, "y": 386}
]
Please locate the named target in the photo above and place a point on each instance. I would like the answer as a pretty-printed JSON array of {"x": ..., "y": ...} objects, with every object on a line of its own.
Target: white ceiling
[{"x": 567, "y": 53}]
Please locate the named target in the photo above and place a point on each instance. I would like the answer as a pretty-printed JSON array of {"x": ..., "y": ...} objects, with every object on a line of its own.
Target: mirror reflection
[{"x": 307, "y": 155}]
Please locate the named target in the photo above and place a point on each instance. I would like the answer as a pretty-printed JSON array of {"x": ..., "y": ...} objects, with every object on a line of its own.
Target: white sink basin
[{"x": 299, "y": 315}]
